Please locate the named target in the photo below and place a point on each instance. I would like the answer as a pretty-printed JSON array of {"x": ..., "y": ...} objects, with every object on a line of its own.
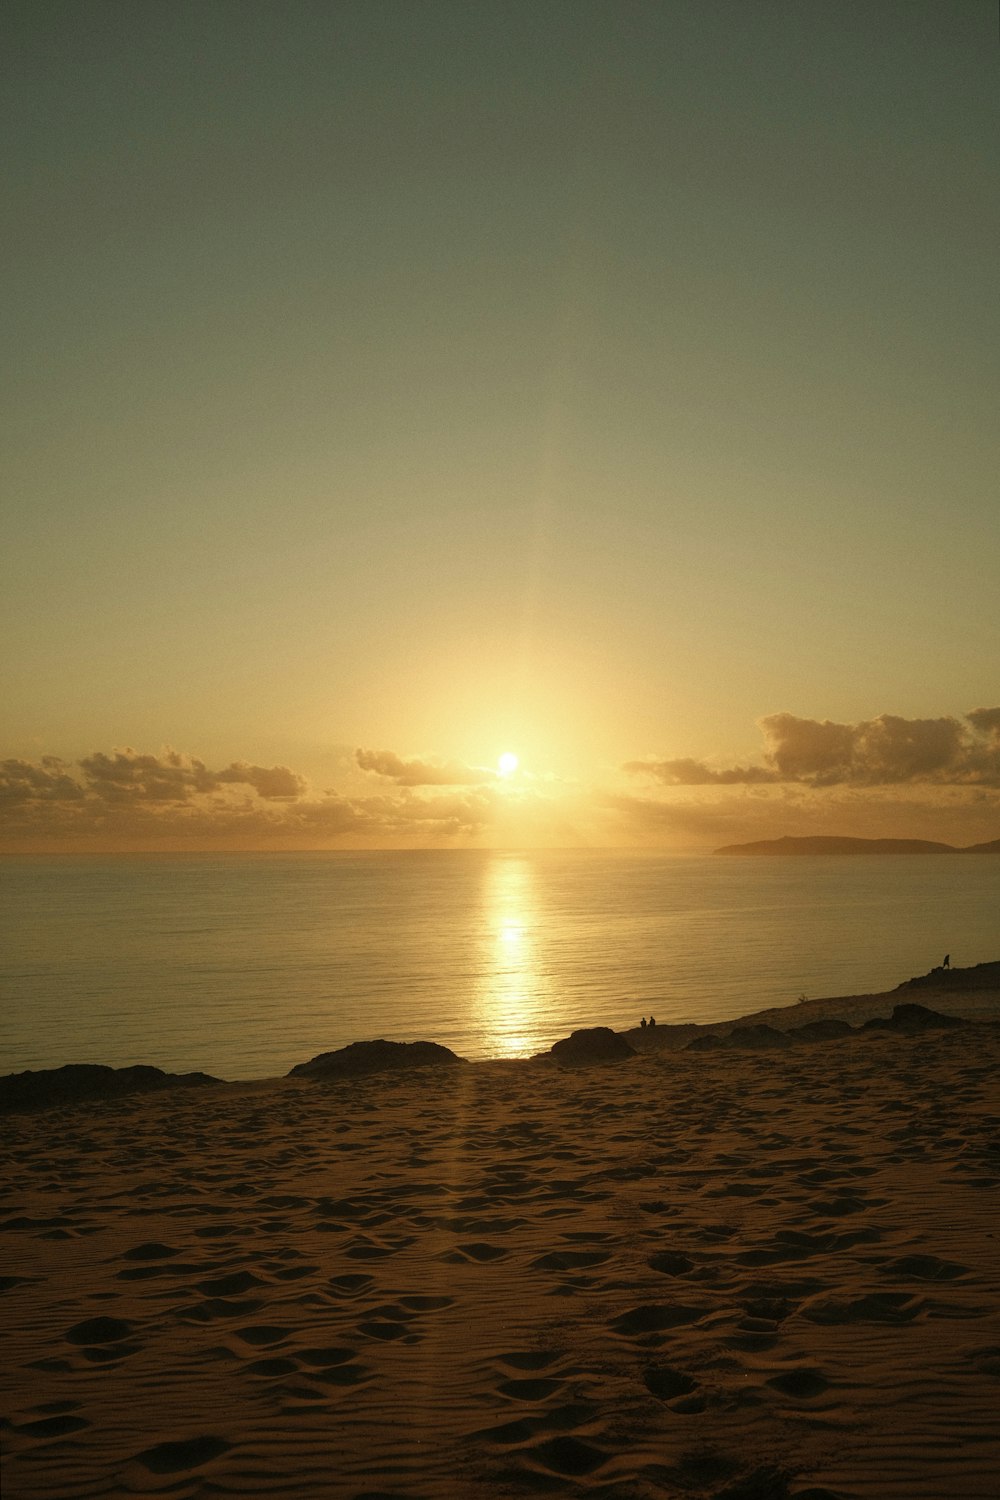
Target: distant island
[{"x": 823, "y": 845}]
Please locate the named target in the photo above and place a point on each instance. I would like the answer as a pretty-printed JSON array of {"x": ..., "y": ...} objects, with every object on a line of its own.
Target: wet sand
[{"x": 727, "y": 1275}]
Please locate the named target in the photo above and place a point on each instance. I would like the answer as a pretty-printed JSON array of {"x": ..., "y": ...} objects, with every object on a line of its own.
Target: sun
[{"x": 507, "y": 763}]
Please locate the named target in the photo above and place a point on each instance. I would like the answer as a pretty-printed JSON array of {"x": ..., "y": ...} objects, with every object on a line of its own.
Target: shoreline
[{"x": 971, "y": 995}]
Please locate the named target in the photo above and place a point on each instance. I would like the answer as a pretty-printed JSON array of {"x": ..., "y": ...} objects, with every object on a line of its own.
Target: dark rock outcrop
[
  {"x": 820, "y": 1031},
  {"x": 77, "y": 1082},
  {"x": 360, "y": 1059},
  {"x": 757, "y": 1036},
  {"x": 710, "y": 1041},
  {"x": 979, "y": 977},
  {"x": 910, "y": 1018},
  {"x": 592, "y": 1044}
]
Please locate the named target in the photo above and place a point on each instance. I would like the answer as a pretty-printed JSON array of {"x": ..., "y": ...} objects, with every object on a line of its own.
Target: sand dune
[{"x": 736, "y": 1275}]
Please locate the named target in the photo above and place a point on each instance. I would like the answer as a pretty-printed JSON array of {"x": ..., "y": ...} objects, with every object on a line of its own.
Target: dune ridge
[{"x": 732, "y": 1274}]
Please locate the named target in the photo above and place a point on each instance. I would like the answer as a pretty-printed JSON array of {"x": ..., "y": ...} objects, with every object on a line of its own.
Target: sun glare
[{"x": 507, "y": 764}]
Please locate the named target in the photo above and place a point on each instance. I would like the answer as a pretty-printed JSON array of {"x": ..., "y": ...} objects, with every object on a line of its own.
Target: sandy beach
[{"x": 729, "y": 1274}]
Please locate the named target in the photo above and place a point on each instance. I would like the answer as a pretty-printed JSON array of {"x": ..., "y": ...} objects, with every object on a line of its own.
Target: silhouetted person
[
  {"x": 642, "y": 1023},
  {"x": 652, "y": 1020},
  {"x": 947, "y": 961}
]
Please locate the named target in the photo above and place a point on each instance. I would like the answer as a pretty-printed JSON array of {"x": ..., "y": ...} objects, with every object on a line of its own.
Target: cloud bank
[
  {"x": 129, "y": 799},
  {"x": 882, "y": 752},
  {"x": 885, "y": 777},
  {"x": 126, "y": 775}
]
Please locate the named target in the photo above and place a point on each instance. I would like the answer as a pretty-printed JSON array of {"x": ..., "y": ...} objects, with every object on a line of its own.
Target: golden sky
[{"x": 391, "y": 386}]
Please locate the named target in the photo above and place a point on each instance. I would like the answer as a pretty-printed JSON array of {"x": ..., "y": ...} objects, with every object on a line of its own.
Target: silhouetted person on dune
[{"x": 947, "y": 961}]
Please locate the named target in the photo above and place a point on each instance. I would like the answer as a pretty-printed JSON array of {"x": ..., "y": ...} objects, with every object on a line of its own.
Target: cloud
[
  {"x": 694, "y": 773},
  {"x": 130, "y": 799},
  {"x": 419, "y": 772},
  {"x": 886, "y": 751},
  {"x": 986, "y": 721},
  {"x": 274, "y": 783},
  {"x": 47, "y": 781},
  {"x": 128, "y": 776}
]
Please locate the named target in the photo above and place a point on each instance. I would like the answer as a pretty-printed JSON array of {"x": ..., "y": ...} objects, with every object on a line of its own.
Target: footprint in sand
[
  {"x": 567, "y": 1456},
  {"x": 366, "y": 1249},
  {"x": 802, "y": 1384},
  {"x": 270, "y": 1368},
  {"x": 558, "y": 1419},
  {"x": 423, "y": 1302},
  {"x": 876, "y": 1307},
  {"x": 479, "y": 1252},
  {"x": 51, "y": 1427},
  {"x": 770, "y": 1305},
  {"x": 295, "y": 1273},
  {"x": 99, "y": 1331},
  {"x": 151, "y": 1250},
  {"x": 103, "y": 1341},
  {"x": 333, "y": 1364},
  {"x": 838, "y": 1208},
  {"x": 387, "y": 1330},
  {"x": 351, "y": 1285},
  {"x": 229, "y": 1286},
  {"x": 174, "y": 1268},
  {"x": 538, "y": 1389},
  {"x": 219, "y": 1307},
  {"x": 189, "y": 1453},
  {"x": 923, "y": 1268},
  {"x": 670, "y": 1263},
  {"x": 753, "y": 1334},
  {"x": 654, "y": 1318},
  {"x": 262, "y": 1334},
  {"x": 530, "y": 1359},
  {"x": 570, "y": 1260},
  {"x": 667, "y": 1384}
]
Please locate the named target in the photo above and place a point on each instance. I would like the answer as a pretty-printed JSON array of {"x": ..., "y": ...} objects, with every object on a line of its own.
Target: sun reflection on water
[{"x": 512, "y": 991}]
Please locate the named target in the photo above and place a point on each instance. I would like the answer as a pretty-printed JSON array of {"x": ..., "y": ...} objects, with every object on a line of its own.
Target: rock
[
  {"x": 592, "y": 1044},
  {"x": 77, "y": 1082},
  {"x": 757, "y": 1036},
  {"x": 820, "y": 1031},
  {"x": 710, "y": 1042},
  {"x": 979, "y": 977},
  {"x": 912, "y": 1017},
  {"x": 359, "y": 1059}
]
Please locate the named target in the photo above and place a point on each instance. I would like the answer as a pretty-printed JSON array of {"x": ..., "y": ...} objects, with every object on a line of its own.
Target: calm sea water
[{"x": 245, "y": 965}]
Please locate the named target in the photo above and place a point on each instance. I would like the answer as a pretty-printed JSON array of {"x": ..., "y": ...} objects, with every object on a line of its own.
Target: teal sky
[{"x": 586, "y": 380}]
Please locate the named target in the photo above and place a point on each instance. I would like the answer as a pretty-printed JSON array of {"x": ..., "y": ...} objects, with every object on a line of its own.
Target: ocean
[{"x": 243, "y": 965}]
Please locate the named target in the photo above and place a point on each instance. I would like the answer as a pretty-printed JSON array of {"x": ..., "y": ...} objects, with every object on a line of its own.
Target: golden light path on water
[{"x": 512, "y": 990}]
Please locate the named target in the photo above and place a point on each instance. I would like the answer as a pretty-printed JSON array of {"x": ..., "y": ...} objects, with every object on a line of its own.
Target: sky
[{"x": 396, "y": 384}]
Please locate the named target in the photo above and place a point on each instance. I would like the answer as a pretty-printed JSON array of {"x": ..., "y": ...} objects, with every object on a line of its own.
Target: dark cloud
[
  {"x": 420, "y": 772},
  {"x": 128, "y": 776},
  {"x": 274, "y": 783},
  {"x": 48, "y": 781},
  {"x": 986, "y": 721},
  {"x": 694, "y": 773},
  {"x": 886, "y": 751}
]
